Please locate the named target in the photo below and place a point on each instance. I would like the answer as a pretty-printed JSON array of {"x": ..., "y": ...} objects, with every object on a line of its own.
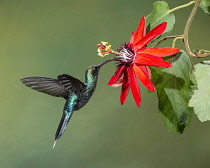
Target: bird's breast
[{"x": 84, "y": 98}]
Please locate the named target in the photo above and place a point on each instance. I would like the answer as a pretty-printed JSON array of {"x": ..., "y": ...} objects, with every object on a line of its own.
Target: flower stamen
[
  {"x": 104, "y": 49},
  {"x": 127, "y": 55}
]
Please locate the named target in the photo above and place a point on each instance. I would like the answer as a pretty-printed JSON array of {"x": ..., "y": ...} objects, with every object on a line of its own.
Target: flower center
[{"x": 127, "y": 55}]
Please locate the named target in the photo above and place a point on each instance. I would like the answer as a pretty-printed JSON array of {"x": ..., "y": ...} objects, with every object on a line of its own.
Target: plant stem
[
  {"x": 165, "y": 38},
  {"x": 197, "y": 53},
  {"x": 174, "y": 41},
  {"x": 170, "y": 11},
  {"x": 182, "y": 6},
  {"x": 174, "y": 9},
  {"x": 187, "y": 27}
]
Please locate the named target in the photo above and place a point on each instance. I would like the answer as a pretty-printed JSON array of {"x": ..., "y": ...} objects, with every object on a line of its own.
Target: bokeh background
[{"x": 50, "y": 37}]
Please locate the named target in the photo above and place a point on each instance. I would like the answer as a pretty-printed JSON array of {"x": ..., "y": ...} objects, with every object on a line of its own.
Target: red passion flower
[{"x": 135, "y": 59}]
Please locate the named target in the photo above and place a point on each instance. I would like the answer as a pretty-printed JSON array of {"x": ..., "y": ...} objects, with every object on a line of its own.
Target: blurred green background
[{"x": 50, "y": 37}]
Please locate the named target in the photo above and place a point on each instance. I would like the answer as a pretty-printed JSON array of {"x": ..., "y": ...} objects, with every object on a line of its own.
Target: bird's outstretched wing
[{"x": 55, "y": 87}]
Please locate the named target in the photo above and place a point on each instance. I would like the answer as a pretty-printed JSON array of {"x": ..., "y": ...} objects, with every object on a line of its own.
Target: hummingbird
[{"x": 75, "y": 92}]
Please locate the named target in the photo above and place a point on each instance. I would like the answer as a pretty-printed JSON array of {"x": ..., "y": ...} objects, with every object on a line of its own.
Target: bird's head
[{"x": 94, "y": 69}]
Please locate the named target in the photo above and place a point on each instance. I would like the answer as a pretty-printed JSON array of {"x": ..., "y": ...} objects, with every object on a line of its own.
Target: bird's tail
[{"x": 63, "y": 124}]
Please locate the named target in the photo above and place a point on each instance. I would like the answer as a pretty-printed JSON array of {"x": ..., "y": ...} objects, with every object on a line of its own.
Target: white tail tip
[{"x": 54, "y": 144}]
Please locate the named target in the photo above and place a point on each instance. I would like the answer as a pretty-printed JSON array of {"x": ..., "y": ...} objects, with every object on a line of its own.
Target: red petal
[
  {"x": 161, "y": 51},
  {"x": 144, "y": 76},
  {"x": 117, "y": 75},
  {"x": 150, "y": 60},
  {"x": 119, "y": 81},
  {"x": 150, "y": 36},
  {"x": 141, "y": 30},
  {"x": 149, "y": 72},
  {"x": 134, "y": 85},
  {"x": 125, "y": 89},
  {"x": 130, "y": 44}
]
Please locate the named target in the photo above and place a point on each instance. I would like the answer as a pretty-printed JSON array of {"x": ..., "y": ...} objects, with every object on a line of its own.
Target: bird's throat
[{"x": 91, "y": 81}]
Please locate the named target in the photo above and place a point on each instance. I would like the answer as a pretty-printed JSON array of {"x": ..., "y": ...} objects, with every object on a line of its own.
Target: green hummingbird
[{"x": 76, "y": 93}]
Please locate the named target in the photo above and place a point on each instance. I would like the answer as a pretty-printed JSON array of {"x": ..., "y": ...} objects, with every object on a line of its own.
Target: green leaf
[
  {"x": 200, "y": 101},
  {"x": 174, "y": 91},
  {"x": 161, "y": 13},
  {"x": 205, "y": 5}
]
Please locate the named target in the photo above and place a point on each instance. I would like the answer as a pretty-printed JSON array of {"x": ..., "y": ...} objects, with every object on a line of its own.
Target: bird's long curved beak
[{"x": 103, "y": 63}]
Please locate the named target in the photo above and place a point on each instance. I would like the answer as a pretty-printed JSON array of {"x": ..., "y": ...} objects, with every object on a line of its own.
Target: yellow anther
[
  {"x": 108, "y": 47},
  {"x": 104, "y": 55},
  {"x": 104, "y": 43},
  {"x": 103, "y": 50},
  {"x": 98, "y": 50},
  {"x": 100, "y": 54}
]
